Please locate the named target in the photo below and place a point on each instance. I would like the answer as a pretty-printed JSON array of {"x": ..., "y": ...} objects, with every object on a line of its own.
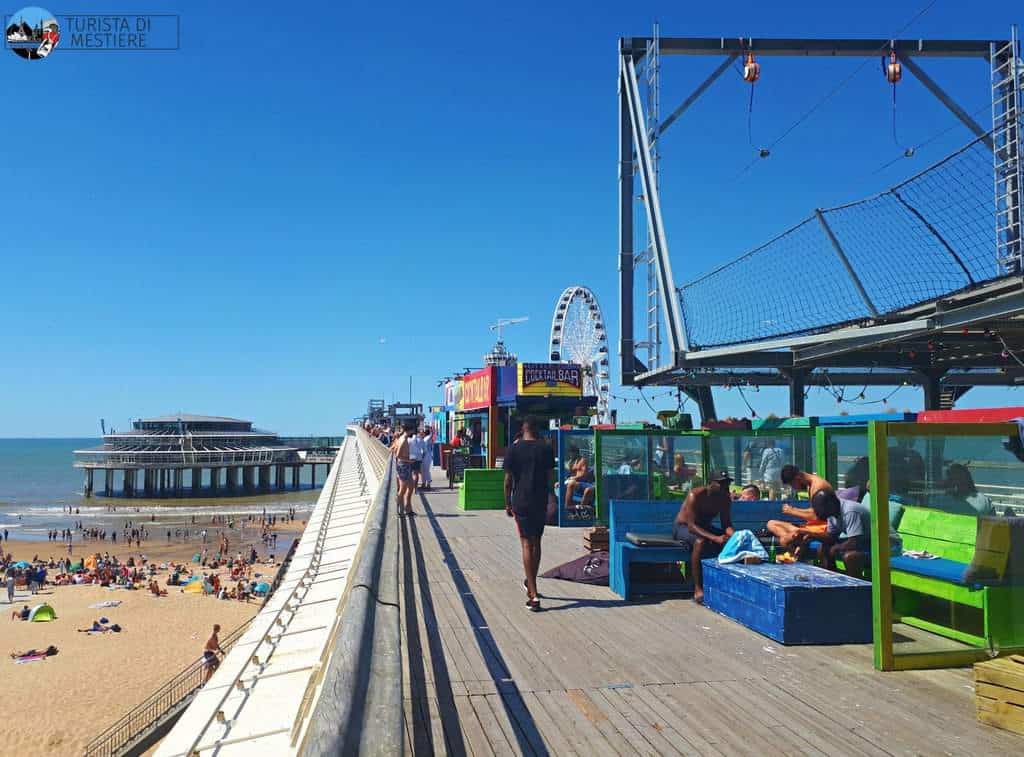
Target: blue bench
[
  {"x": 658, "y": 517},
  {"x": 644, "y": 517}
]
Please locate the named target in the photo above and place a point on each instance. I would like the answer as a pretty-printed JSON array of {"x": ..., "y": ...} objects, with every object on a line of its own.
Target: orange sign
[{"x": 478, "y": 389}]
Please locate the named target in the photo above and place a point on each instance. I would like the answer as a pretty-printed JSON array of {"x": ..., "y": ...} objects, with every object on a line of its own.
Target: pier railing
[
  {"x": 124, "y": 735},
  {"x": 359, "y": 710}
]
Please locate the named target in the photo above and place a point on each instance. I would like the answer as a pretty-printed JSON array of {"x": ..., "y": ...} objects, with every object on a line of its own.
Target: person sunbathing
[
  {"x": 96, "y": 627},
  {"x": 21, "y": 614}
]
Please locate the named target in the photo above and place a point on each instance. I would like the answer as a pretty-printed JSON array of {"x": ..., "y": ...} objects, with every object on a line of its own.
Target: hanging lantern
[
  {"x": 893, "y": 69},
  {"x": 751, "y": 69}
]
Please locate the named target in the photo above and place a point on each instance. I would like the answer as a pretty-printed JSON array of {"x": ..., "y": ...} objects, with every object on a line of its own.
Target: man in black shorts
[
  {"x": 693, "y": 525},
  {"x": 529, "y": 477}
]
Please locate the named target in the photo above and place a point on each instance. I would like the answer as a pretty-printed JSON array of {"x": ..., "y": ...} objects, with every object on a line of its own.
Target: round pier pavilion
[{"x": 200, "y": 455}]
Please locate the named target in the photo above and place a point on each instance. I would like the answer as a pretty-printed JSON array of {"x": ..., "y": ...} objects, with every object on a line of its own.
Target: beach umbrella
[{"x": 22, "y": 564}]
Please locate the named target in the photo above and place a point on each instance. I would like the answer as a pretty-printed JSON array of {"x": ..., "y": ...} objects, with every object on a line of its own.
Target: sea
[{"x": 38, "y": 484}]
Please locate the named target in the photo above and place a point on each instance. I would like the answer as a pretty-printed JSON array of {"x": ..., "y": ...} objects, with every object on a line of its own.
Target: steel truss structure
[{"x": 980, "y": 328}]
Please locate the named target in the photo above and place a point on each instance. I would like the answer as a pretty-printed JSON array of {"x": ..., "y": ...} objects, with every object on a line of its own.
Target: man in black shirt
[{"x": 529, "y": 477}]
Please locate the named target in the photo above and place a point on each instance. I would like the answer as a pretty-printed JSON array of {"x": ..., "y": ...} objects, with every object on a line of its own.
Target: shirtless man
[
  {"x": 803, "y": 482},
  {"x": 404, "y": 469},
  {"x": 791, "y": 536},
  {"x": 693, "y": 525},
  {"x": 210, "y": 652},
  {"x": 582, "y": 479}
]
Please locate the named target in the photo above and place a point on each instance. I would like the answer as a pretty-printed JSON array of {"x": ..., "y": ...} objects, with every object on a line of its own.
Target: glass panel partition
[
  {"x": 646, "y": 465},
  {"x": 576, "y": 478},
  {"x": 757, "y": 457},
  {"x": 948, "y": 542}
]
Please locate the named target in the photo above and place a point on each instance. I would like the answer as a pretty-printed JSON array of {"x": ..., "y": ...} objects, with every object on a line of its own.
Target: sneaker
[{"x": 533, "y": 605}]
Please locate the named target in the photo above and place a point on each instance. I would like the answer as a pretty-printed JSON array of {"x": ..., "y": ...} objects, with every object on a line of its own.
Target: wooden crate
[
  {"x": 999, "y": 692},
  {"x": 596, "y": 539}
]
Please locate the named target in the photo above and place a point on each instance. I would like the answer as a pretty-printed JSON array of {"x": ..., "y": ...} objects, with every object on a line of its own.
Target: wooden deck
[{"x": 593, "y": 675}]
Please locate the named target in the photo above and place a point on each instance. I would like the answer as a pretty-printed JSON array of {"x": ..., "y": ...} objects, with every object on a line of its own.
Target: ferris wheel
[{"x": 578, "y": 335}]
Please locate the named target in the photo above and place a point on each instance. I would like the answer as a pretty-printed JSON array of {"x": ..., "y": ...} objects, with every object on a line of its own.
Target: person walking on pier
[
  {"x": 403, "y": 468},
  {"x": 428, "y": 458},
  {"x": 529, "y": 477}
]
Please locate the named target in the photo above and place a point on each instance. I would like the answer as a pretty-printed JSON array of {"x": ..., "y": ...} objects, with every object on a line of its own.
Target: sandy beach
[{"x": 57, "y": 705}]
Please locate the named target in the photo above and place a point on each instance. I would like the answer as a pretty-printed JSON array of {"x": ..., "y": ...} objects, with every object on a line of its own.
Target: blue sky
[{"x": 233, "y": 227}]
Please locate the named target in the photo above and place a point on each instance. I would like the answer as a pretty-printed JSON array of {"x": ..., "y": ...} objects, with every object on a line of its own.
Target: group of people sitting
[{"x": 838, "y": 528}]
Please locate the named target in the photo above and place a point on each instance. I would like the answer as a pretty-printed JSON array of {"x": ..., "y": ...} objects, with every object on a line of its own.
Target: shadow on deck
[{"x": 593, "y": 674}]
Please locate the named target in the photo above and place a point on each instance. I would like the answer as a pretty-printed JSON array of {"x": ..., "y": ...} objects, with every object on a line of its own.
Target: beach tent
[
  {"x": 261, "y": 588},
  {"x": 90, "y": 562},
  {"x": 76, "y": 567},
  {"x": 42, "y": 613},
  {"x": 193, "y": 587}
]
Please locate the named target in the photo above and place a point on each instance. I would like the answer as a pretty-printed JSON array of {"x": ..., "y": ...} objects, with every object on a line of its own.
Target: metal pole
[
  {"x": 673, "y": 317},
  {"x": 945, "y": 99},
  {"x": 627, "y": 359},
  {"x": 846, "y": 263},
  {"x": 695, "y": 95}
]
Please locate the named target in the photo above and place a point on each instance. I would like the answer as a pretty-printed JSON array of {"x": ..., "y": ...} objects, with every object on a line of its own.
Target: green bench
[
  {"x": 968, "y": 594},
  {"x": 482, "y": 489}
]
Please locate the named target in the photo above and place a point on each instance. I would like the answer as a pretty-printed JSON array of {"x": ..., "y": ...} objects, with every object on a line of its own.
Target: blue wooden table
[{"x": 792, "y": 604}]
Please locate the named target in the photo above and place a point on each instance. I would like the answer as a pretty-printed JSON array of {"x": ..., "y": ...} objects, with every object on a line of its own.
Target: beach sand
[{"x": 56, "y": 706}]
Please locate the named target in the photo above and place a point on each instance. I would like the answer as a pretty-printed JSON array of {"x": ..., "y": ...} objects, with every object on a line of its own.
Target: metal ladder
[{"x": 1007, "y": 80}]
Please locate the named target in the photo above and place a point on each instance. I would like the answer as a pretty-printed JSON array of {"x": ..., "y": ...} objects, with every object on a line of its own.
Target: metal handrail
[
  {"x": 113, "y": 740},
  {"x": 314, "y": 564}
]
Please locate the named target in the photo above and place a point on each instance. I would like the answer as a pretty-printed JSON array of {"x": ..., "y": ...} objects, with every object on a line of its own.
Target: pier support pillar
[
  {"x": 214, "y": 479},
  {"x": 108, "y": 482},
  {"x": 296, "y": 470},
  {"x": 147, "y": 482},
  {"x": 231, "y": 479},
  {"x": 163, "y": 482},
  {"x": 264, "y": 477},
  {"x": 247, "y": 477},
  {"x": 87, "y": 489},
  {"x": 279, "y": 477},
  {"x": 197, "y": 480},
  {"x": 179, "y": 481},
  {"x": 313, "y": 477},
  {"x": 126, "y": 488}
]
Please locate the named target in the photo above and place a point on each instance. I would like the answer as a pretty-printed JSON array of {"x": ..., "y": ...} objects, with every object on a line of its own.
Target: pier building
[{"x": 193, "y": 455}]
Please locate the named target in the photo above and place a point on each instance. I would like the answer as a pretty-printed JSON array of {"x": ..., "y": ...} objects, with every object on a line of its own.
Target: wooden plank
[
  {"x": 999, "y": 693},
  {"x": 630, "y": 732},
  {"x": 521, "y": 741},
  {"x": 597, "y": 713},
  {"x": 663, "y": 737},
  {"x": 476, "y": 740},
  {"x": 680, "y": 719},
  {"x": 1009, "y": 717},
  {"x": 550, "y": 729},
  {"x": 573, "y": 717},
  {"x": 491, "y": 727}
]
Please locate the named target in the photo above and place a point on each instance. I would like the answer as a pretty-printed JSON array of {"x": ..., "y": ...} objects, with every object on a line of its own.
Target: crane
[{"x": 503, "y": 322}]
